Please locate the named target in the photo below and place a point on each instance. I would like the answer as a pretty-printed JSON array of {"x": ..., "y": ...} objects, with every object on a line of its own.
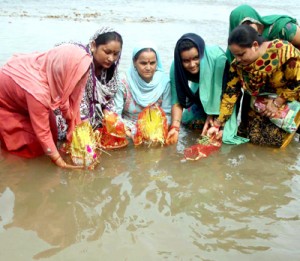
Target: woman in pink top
[{"x": 31, "y": 87}]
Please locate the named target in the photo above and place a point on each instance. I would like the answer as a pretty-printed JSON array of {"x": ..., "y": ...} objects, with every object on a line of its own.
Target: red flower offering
[
  {"x": 151, "y": 127},
  {"x": 113, "y": 135},
  {"x": 205, "y": 147}
]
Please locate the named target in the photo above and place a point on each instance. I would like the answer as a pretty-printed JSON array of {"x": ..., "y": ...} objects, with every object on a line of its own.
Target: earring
[{"x": 92, "y": 50}]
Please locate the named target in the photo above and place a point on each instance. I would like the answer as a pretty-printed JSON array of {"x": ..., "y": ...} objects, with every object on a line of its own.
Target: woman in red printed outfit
[{"x": 31, "y": 87}]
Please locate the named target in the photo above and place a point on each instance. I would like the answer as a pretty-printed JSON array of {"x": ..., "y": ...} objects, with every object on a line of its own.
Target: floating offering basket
[
  {"x": 151, "y": 126},
  {"x": 203, "y": 149},
  {"x": 113, "y": 134},
  {"x": 84, "y": 146}
]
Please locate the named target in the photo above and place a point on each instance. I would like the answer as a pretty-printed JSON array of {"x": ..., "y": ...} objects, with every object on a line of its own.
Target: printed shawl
[{"x": 100, "y": 91}]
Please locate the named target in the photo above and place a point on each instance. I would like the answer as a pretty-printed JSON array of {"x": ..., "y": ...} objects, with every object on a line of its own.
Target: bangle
[
  {"x": 54, "y": 160},
  {"x": 217, "y": 127},
  {"x": 217, "y": 124},
  {"x": 174, "y": 127},
  {"x": 276, "y": 104},
  {"x": 177, "y": 120}
]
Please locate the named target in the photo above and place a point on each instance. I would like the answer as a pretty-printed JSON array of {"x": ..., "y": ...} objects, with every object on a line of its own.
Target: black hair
[
  {"x": 107, "y": 37},
  {"x": 186, "y": 45},
  {"x": 244, "y": 36},
  {"x": 186, "y": 42},
  {"x": 141, "y": 51},
  {"x": 247, "y": 22}
]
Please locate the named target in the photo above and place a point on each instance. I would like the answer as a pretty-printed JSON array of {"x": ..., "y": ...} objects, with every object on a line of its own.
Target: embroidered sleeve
[
  {"x": 120, "y": 98},
  {"x": 166, "y": 99},
  {"x": 166, "y": 102},
  {"x": 291, "y": 72},
  {"x": 230, "y": 95}
]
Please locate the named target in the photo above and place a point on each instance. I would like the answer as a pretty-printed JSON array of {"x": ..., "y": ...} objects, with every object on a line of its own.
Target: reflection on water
[
  {"x": 241, "y": 203},
  {"x": 147, "y": 202}
]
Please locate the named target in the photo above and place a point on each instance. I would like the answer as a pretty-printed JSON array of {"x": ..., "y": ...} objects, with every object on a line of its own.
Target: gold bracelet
[
  {"x": 219, "y": 123},
  {"x": 54, "y": 161},
  {"x": 174, "y": 127},
  {"x": 177, "y": 120}
]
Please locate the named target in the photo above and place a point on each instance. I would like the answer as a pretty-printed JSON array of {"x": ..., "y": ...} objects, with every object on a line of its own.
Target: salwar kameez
[
  {"x": 276, "y": 73},
  {"x": 31, "y": 87}
]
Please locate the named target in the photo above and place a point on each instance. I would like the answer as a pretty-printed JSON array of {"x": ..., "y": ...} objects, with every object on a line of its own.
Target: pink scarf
[{"x": 51, "y": 78}]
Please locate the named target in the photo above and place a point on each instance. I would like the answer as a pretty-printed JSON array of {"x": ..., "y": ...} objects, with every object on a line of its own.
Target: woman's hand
[
  {"x": 215, "y": 132},
  {"x": 128, "y": 133},
  {"x": 59, "y": 161},
  {"x": 105, "y": 111},
  {"x": 173, "y": 135},
  {"x": 208, "y": 123},
  {"x": 271, "y": 109}
]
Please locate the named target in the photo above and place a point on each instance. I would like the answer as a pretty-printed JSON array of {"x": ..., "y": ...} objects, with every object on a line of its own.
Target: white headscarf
[{"x": 147, "y": 93}]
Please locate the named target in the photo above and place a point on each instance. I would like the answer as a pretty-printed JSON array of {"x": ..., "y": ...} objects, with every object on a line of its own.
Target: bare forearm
[{"x": 176, "y": 115}]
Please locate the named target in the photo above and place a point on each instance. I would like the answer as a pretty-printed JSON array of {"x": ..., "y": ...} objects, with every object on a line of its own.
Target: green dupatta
[
  {"x": 273, "y": 24},
  {"x": 211, "y": 79}
]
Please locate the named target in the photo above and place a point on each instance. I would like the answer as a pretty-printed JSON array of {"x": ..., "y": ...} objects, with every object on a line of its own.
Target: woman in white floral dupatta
[{"x": 105, "y": 46}]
